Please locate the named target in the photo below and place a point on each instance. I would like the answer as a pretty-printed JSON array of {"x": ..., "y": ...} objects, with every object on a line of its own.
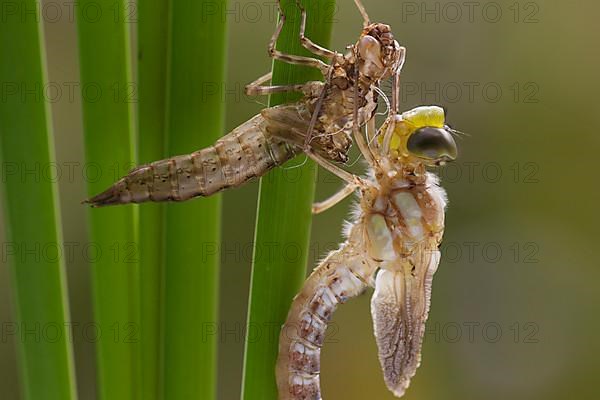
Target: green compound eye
[{"x": 432, "y": 144}]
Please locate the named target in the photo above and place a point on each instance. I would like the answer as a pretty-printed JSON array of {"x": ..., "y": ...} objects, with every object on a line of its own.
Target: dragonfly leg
[
  {"x": 387, "y": 138},
  {"x": 363, "y": 12},
  {"x": 334, "y": 169},
  {"x": 256, "y": 88},
  {"x": 328, "y": 165},
  {"x": 371, "y": 132},
  {"x": 326, "y": 204},
  {"x": 358, "y": 137},
  {"x": 306, "y": 42},
  {"x": 290, "y": 58},
  {"x": 396, "y": 81},
  {"x": 309, "y": 132},
  {"x": 362, "y": 143}
]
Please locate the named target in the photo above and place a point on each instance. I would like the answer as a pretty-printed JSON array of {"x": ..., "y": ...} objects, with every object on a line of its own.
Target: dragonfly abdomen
[
  {"x": 245, "y": 153},
  {"x": 302, "y": 336}
]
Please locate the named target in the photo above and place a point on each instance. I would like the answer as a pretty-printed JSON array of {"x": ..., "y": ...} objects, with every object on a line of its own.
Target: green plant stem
[
  {"x": 195, "y": 119},
  {"x": 152, "y": 66},
  {"x": 33, "y": 217},
  {"x": 284, "y": 217},
  {"x": 107, "y": 89}
]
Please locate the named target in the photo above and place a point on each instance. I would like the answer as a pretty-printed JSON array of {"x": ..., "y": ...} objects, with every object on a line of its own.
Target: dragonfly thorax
[{"x": 403, "y": 216}]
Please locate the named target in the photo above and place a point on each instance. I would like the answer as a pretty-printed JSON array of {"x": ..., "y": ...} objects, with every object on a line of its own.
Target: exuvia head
[
  {"x": 377, "y": 53},
  {"x": 420, "y": 135}
]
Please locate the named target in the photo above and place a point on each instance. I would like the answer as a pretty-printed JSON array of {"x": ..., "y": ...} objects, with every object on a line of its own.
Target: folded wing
[{"x": 399, "y": 307}]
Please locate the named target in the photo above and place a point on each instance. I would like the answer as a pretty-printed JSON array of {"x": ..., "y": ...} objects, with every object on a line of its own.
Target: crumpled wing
[{"x": 399, "y": 307}]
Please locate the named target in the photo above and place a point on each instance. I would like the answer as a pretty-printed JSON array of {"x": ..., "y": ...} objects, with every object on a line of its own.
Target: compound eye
[
  {"x": 370, "y": 49},
  {"x": 432, "y": 144}
]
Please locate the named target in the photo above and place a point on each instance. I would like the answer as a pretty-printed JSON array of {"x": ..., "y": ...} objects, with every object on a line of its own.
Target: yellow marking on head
[
  {"x": 425, "y": 116},
  {"x": 411, "y": 120}
]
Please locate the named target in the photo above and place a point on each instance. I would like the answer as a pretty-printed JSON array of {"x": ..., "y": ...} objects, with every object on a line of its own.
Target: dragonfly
[
  {"x": 391, "y": 246},
  {"x": 320, "y": 124}
]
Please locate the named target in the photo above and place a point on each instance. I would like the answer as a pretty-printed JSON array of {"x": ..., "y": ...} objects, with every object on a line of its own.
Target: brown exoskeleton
[{"x": 320, "y": 124}]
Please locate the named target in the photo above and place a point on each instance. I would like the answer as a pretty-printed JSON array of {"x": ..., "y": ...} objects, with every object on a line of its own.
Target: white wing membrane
[{"x": 399, "y": 307}]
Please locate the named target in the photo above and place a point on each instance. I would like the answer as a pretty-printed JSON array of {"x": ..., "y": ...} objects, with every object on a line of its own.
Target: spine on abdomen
[
  {"x": 339, "y": 277},
  {"x": 246, "y": 152}
]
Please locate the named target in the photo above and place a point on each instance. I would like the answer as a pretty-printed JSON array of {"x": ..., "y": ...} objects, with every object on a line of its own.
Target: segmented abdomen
[
  {"x": 247, "y": 152},
  {"x": 340, "y": 276}
]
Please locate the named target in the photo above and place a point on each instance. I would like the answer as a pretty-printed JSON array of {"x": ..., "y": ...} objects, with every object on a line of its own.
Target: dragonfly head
[
  {"x": 421, "y": 135},
  {"x": 377, "y": 53}
]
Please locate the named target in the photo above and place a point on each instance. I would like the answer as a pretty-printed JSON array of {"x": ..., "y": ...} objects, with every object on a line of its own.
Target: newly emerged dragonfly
[
  {"x": 320, "y": 124},
  {"x": 392, "y": 246}
]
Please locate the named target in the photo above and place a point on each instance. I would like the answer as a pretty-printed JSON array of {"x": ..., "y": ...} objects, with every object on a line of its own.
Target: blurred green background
[{"x": 515, "y": 305}]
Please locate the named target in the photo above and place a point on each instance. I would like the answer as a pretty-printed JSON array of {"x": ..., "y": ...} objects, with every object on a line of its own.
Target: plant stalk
[{"x": 284, "y": 216}]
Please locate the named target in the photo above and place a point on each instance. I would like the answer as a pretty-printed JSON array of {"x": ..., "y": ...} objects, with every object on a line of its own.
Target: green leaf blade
[
  {"x": 106, "y": 81},
  {"x": 35, "y": 247},
  {"x": 284, "y": 217},
  {"x": 195, "y": 119},
  {"x": 152, "y": 75}
]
